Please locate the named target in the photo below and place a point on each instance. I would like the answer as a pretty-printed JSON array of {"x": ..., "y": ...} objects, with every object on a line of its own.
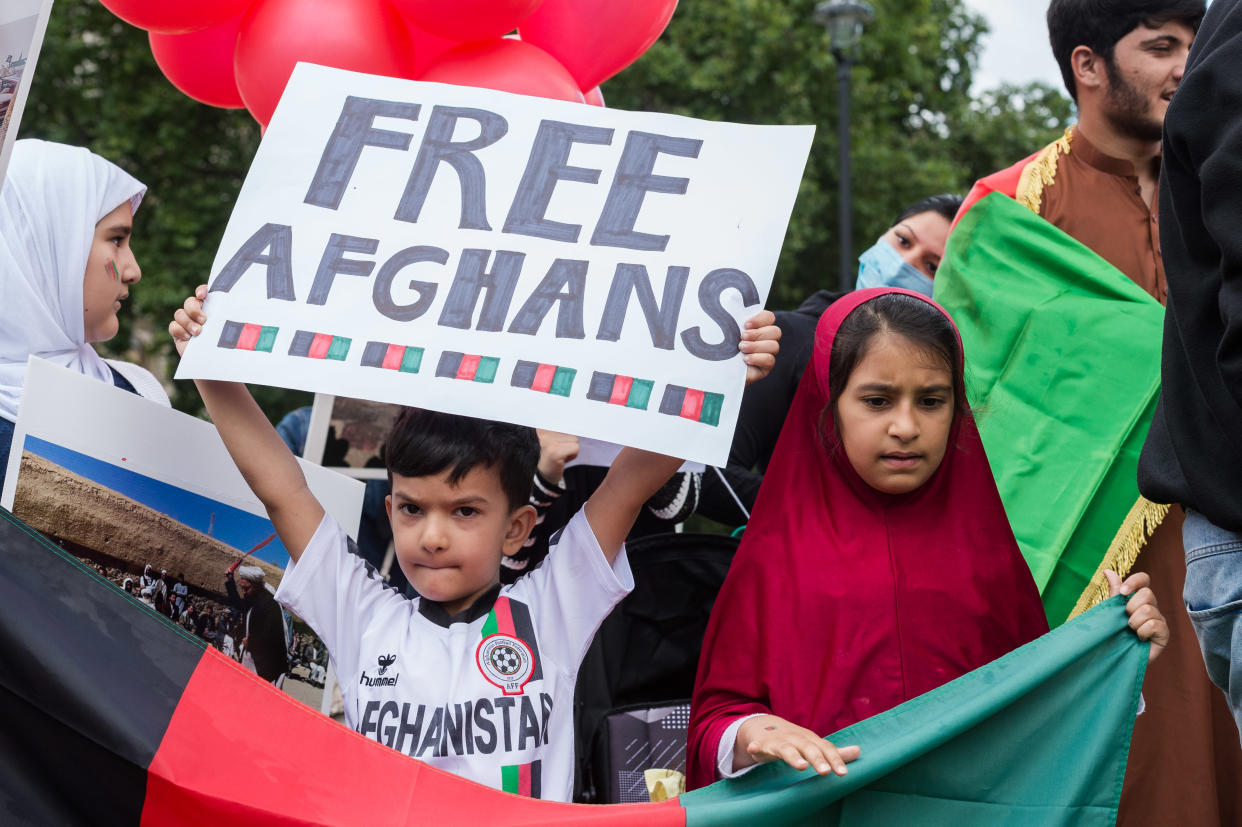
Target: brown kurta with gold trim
[
  {"x": 1096, "y": 199},
  {"x": 1185, "y": 764}
]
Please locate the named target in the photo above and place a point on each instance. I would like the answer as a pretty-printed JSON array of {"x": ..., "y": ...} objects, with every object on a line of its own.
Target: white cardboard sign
[{"x": 581, "y": 269}]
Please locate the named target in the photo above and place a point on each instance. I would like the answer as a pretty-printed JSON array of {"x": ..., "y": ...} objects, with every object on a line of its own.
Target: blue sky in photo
[{"x": 231, "y": 526}]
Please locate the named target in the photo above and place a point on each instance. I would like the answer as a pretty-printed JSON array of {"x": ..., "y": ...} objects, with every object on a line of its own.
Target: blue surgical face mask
[{"x": 883, "y": 266}]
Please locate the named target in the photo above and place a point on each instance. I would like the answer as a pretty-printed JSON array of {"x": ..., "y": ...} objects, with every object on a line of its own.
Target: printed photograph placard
[
  {"x": 23, "y": 24},
  {"x": 348, "y": 435},
  {"x": 575, "y": 268},
  {"x": 150, "y": 498}
]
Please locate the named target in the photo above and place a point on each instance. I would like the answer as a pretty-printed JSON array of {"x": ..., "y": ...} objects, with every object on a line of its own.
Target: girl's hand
[
  {"x": 1145, "y": 617},
  {"x": 188, "y": 321},
  {"x": 760, "y": 344},
  {"x": 767, "y": 738}
]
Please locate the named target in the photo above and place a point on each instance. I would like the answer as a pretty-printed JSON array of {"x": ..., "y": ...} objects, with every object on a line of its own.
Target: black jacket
[
  {"x": 1193, "y": 454},
  {"x": 764, "y": 405},
  {"x": 263, "y": 625}
]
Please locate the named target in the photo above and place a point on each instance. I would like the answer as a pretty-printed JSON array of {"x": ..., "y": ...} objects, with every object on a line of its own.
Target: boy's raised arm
[
  {"x": 264, "y": 460},
  {"x": 636, "y": 475}
]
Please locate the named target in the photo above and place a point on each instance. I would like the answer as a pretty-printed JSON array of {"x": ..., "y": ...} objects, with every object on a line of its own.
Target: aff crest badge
[{"x": 506, "y": 662}]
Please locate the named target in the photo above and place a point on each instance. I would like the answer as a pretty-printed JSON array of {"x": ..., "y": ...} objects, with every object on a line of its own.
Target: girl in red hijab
[{"x": 878, "y": 563}]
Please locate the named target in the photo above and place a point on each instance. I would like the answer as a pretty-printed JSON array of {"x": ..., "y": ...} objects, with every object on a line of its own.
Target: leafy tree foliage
[{"x": 916, "y": 130}]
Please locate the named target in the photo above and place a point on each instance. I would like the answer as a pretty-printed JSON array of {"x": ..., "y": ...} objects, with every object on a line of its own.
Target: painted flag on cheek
[
  {"x": 472, "y": 368},
  {"x": 319, "y": 346},
  {"x": 402, "y": 358},
  {"x": 696, "y": 405},
  {"x": 620, "y": 390},
  {"x": 114, "y": 715},
  {"x": 544, "y": 378},
  {"x": 242, "y": 336}
]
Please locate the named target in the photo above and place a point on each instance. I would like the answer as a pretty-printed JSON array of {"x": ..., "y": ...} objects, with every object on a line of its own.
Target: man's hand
[
  {"x": 555, "y": 449},
  {"x": 1145, "y": 617},
  {"x": 760, "y": 344},
  {"x": 189, "y": 320},
  {"x": 767, "y": 738}
]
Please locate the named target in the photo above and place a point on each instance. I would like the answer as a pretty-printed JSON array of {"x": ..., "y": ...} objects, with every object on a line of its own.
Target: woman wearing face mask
[
  {"x": 906, "y": 256},
  {"x": 909, "y": 252},
  {"x": 66, "y": 217}
]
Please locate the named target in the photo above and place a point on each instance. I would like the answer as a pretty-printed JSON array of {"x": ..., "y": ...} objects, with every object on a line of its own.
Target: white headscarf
[
  {"x": 252, "y": 573},
  {"x": 52, "y": 198}
]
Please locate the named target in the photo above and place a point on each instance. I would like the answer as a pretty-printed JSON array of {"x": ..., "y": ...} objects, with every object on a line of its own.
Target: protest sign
[
  {"x": 158, "y": 489},
  {"x": 22, "y": 26},
  {"x": 581, "y": 269}
]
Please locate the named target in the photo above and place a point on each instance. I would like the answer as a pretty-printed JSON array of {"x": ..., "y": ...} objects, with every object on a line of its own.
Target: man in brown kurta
[{"x": 1099, "y": 185}]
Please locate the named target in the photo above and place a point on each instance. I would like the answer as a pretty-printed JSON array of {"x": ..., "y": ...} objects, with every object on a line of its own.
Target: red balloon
[
  {"x": 595, "y": 97},
  {"x": 463, "y": 20},
  {"x": 507, "y": 65},
  {"x": 427, "y": 48},
  {"x": 200, "y": 63},
  {"x": 595, "y": 39},
  {"x": 360, "y": 35},
  {"x": 176, "y": 16}
]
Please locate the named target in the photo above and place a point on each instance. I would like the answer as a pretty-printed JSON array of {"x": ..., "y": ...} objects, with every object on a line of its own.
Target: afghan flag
[
  {"x": 620, "y": 390},
  {"x": 1063, "y": 372},
  {"x": 472, "y": 368},
  {"x": 402, "y": 358},
  {"x": 319, "y": 346},
  {"x": 114, "y": 715},
  {"x": 695, "y": 405},
  {"x": 545, "y": 378},
  {"x": 242, "y": 336}
]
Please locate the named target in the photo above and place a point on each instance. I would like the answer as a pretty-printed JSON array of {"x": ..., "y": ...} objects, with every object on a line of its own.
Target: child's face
[
  {"x": 110, "y": 270},
  {"x": 449, "y": 538},
  {"x": 895, "y": 414}
]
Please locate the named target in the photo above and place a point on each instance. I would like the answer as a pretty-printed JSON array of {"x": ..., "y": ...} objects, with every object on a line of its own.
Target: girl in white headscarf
[{"x": 66, "y": 217}]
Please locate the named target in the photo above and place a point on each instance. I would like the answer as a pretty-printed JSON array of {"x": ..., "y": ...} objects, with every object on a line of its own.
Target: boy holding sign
[{"x": 474, "y": 678}]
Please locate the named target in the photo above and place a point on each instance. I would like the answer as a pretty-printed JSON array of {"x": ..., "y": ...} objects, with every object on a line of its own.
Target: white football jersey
[{"x": 487, "y": 694}]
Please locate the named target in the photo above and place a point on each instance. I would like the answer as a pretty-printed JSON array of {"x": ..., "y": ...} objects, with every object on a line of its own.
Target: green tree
[{"x": 915, "y": 130}]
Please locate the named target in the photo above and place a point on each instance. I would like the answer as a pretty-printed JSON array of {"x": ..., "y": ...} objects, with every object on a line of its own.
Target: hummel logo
[{"x": 386, "y": 661}]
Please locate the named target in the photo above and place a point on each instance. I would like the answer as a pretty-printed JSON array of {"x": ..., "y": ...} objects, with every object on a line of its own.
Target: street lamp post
[{"x": 844, "y": 20}]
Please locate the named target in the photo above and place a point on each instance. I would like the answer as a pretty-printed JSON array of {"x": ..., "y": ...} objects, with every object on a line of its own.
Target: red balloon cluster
[{"x": 240, "y": 53}]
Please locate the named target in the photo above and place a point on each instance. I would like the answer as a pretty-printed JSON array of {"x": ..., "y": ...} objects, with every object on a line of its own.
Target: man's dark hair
[
  {"x": 946, "y": 204},
  {"x": 1099, "y": 24},
  {"x": 423, "y": 443}
]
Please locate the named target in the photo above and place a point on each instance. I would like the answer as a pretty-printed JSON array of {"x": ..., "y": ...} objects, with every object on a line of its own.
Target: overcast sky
[{"x": 1016, "y": 50}]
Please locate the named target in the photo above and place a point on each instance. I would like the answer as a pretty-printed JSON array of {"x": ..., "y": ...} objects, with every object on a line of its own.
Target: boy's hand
[
  {"x": 555, "y": 449},
  {"x": 188, "y": 321},
  {"x": 769, "y": 738},
  {"x": 760, "y": 344},
  {"x": 1145, "y": 617}
]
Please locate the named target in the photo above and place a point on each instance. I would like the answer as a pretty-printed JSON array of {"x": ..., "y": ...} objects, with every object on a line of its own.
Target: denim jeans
[{"x": 1213, "y": 597}]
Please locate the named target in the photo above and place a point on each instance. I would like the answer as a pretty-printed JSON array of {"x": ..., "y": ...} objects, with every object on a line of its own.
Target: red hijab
[{"x": 842, "y": 601}]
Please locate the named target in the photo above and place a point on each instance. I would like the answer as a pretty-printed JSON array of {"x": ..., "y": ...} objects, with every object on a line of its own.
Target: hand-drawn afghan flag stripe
[
  {"x": 319, "y": 346},
  {"x": 403, "y": 358},
  {"x": 544, "y": 378},
  {"x": 522, "y": 779},
  {"x": 466, "y": 366},
  {"x": 512, "y": 617},
  {"x": 620, "y": 390},
  {"x": 241, "y": 336},
  {"x": 700, "y": 406}
]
